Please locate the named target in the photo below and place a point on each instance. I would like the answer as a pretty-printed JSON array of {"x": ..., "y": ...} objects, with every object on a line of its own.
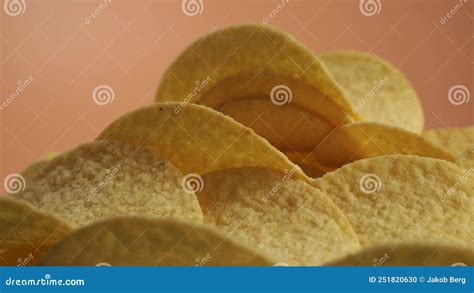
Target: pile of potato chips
[{"x": 256, "y": 152}]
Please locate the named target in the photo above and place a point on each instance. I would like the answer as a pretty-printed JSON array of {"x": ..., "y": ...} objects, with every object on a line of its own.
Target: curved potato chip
[
  {"x": 22, "y": 224},
  {"x": 409, "y": 254},
  {"x": 103, "y": 179},
  {"x": 454, "y": 140},
  {"x": 402, "y": 197},
  {"x": 263, "y": 78},
  {"x": 466, "y": 160},
  {"x": 311, "y": 167},
  {"x": 248, "y": 61},
  {"x": 197, "y": 139},
  {"x": 129, "y": 241},
  {"x": 310, "y": 163},
  {"x": 287, "y": 128},
  {"x": 285, "y": 218},
  {"x": 26, "y": 233},
  {"x": 378, "y": 91},
  {"x": 356, "y": 141}
]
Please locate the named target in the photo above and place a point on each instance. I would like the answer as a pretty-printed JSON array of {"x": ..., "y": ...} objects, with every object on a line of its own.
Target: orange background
[{"x": 129, "y": 44}]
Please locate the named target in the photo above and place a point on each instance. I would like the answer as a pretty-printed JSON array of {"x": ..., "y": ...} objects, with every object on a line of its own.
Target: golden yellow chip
[
  {"x": 25, "y": 233},
  {"x": 131, "y": 241},
  {"x": 104, "y": 179},
  {"x": 284, "y": 218},
  {"x": 287, "y": 128},
  {"x": 248, "y": 62},
  {"x": 264, "y": 79},
  {"x": 356, "y": 141},
  {"x": 402, "y": 198},
  {"x": 310, "y": 163},
  {"x": 197, "y": 139},
  {"x": 454, "y": 140},
  {"x": 466, "y": 160},
  {"x": 409, "y": 254},
  {"x": 378, "y": 91}
]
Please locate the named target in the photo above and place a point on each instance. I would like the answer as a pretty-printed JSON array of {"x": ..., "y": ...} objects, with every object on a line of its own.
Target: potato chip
[
  {"x": 287, "y": 128},
  {"x": 378, "y": 91},
  {"x": 356, "y": 141},
  {"x": 197, "y": 139},
  {"x": 264, "y": 79},
  {"x": 310, "y": 163},
  {"x": 25, "y": 233},
  {"x": 466, "y": 160},
  {"x": 454, "y": 140},
  {"x": 22, "y": 224},
  {"x": 131, "y": 241},
  {"x": 403, "y": 197},
  {"x": 409, "y": 254},
  {"x": 248, "y": 61},
  {"x": 284, "y": 218},
  {"x": 103, "y": 179}
]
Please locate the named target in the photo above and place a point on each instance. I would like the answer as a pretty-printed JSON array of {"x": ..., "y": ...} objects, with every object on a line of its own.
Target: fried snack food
[
  {"x": 26, "y": 233},
  {"x": 454, "y": 140},
  {"x": 247, "y": 62},
  {"x": 355, "y": 141},
  {"x": 197, "y": 139},
  {"x": 144, "y": 241},
  {"x": 103, "y": 179},
  {"x": 466, "y": 160},
  {"x": 377, "y": 90},
  {"x": 404, "y": 198},
  {"x": 282, "y": 217},
  {"x": 263, "y": 78}
]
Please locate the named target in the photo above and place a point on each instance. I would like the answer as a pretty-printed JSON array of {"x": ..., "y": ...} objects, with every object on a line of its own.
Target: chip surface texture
[
  {"x": 402, "y": 198},
  {"x": 103, "y": 179},
  {"x": 144, "y": 241}
]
